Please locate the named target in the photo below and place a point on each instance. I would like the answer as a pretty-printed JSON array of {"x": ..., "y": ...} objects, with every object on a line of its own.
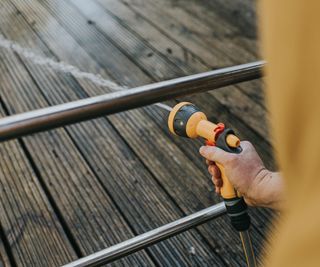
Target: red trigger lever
[{"x": 217, "y": 131}]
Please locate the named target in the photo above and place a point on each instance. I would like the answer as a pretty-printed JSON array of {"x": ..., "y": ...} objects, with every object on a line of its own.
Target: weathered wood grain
[
  {"x": 237, "y": 102},
  {"x": 86, "y": 208},
  {"x": 4, "y": 258},
  {"x": 130, "y": 195},
  {"x": 192, "y": 41},
  {"x": 83, "y": 27},
  {"x": 211, "y": 38},
  {"x": 154, "y": 175},
  {"x": 28, "y": 222},
  {"x": 230, "y": 21},
  {"x": 211, "y": 105},
  {"x": 236, "y": 23},
  {"x": 91, "y": 217},
  {"x": 238, "y": 14}
]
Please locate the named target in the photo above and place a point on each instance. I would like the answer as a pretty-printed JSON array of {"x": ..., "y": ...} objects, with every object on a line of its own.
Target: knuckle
[
  {"x": 246, "y": 145},
  {"x": 245, "y": 142}
]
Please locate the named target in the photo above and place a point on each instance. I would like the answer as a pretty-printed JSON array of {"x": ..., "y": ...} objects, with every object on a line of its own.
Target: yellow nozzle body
[{"x": 187, "y": 120}]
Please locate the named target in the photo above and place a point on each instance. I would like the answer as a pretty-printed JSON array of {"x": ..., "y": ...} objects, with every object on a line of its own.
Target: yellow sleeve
[{"x": 290, "y": 33}]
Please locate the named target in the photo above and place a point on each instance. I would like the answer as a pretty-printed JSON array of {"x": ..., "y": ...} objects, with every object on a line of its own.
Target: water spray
[{"x": 64, "y": 67}]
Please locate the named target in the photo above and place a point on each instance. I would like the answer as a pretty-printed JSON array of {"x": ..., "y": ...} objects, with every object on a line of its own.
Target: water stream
[{"x": 63, "y": 67}]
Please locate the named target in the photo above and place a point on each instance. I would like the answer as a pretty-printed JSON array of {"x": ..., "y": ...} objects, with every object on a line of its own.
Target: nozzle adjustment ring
[{"x": 181, "y": 119}]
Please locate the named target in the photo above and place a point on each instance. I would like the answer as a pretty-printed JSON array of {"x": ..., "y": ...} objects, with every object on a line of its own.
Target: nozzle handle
[{"x": 235, "y": 204}]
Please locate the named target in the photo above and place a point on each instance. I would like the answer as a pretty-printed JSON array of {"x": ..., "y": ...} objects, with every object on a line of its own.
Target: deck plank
[
  {"x": 233, "y": 22},
  {"x": 28, "y": 221},
  {"x": 193, "y": 41},
  {"x": 127, "y": 42},
  {"x": 155, "y": 38},
  {"x": 210, "y": 38},
  {"x": 237, "y": 102},
  {"x": 85, "y": 206},
  {"x": 126, "y": 118},
  {"x": 4, "y": 258},
  {"x": 239, "y": 14},
  {"x": 92, "y": 201},
  {"x": 142, "y": 218}
]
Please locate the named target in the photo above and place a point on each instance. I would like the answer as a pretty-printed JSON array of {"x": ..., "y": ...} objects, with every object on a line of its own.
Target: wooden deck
[{"x": 69, "y": 192}]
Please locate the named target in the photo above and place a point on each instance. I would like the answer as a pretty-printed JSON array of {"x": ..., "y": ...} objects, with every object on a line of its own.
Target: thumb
[{"x": 215, "y": 154}]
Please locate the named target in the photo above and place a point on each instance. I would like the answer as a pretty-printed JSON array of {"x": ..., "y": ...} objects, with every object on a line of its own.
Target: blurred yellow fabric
[{"x": 290, "y": 33}]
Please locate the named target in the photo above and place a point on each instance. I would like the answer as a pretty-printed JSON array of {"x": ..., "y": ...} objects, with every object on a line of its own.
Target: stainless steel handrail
[
  {"x": 48, "y": 118},
  {"x": 149, "y": 238}
]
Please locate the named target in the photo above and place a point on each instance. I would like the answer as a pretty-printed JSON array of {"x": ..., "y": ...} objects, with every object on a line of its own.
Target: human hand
[{"x": 247, "y": 173}]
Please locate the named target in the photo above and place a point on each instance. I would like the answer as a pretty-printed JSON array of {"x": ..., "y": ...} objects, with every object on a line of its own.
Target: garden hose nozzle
[{"x": 186, "y": 120}]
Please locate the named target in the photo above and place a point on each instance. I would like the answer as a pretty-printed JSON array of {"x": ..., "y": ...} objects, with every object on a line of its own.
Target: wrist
[
  {"x": 257, "y": 193},
  {"x": 267, "y": 190}
]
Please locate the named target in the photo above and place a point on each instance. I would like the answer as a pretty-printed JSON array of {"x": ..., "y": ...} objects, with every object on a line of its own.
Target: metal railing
[
  {"x": 149, "y": 238},
  {"x": 60, "y": 115},
  {"x": 19, "y": 125}
]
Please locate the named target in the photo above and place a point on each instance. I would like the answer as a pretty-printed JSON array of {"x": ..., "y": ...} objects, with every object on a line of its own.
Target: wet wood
[
  {"x": 235, "y": 99},
  {"x": 229, "y": 97},
  {"x": 81, "y": 26},
  {"x": 80, "y": 199},
  {"x": 28, "y": 223},
  {"x": 199, "y": 42},
  {"x": 130, "y": 191},
  {"x": 237, "y": 102},
  {"x": 4, "y": 258},
  {"x": 233, "y": 24},
  {"x": 125, "y": 174}
]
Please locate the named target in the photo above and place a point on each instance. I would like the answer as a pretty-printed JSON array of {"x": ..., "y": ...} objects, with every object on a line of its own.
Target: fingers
[
  {"x": 217, "y": 183},
  {"x": 214, "y": 170},
  {"x": 218, "y": 190},
  {"x": 213, "y": 153},
  {"x": 209, "y": 162},
  {"x": 216, "y": 177}
]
